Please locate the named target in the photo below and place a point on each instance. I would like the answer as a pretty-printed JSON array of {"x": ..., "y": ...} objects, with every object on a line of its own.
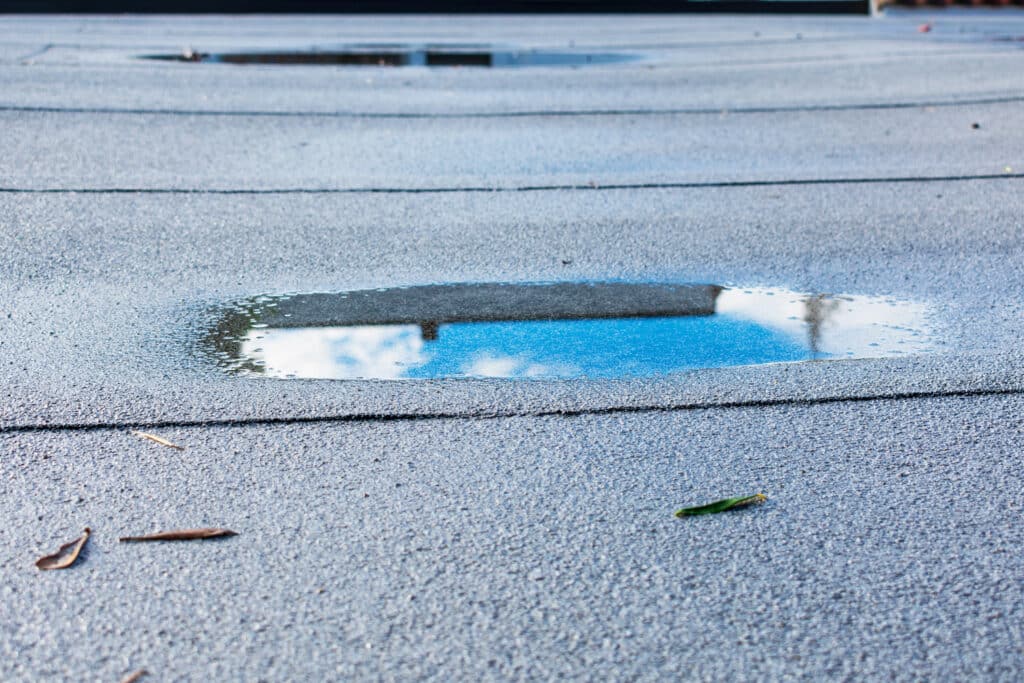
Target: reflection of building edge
[
  {"x": 489, "y": 302},
  {"x": 429, "y": 306}
]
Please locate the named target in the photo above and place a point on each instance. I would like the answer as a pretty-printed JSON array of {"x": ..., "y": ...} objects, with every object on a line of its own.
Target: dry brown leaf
[
  {"x": 159, "y": 439},
  {"x": 134, "y": 676},
  {"x": 59, "y": 560},
  {"x": 182, "y": 535}
]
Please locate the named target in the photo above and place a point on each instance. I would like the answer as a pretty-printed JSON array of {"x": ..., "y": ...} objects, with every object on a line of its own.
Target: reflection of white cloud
[
  {"x": 493, "y": 365},
  {"x": 381, "y": 351},
  {"x": 490, "y": 366},
  {"x": 863, "y": 326}
]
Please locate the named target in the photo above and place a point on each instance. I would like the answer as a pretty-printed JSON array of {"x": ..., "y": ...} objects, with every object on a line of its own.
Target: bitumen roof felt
[{"x": 489, "y": 528}]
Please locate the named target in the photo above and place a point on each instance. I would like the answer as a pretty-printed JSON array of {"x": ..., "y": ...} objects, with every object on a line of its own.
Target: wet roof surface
[{"x": 820, "y": 155}]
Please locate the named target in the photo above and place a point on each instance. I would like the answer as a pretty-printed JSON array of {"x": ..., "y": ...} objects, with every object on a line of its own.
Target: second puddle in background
[{"x": 391, "y": 55}]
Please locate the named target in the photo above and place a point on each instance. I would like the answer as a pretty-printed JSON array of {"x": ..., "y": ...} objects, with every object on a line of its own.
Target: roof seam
[
  {"x": 480, "y": 415},
  {"x": 683, "y": 111},
  {"x": 523, "y": 188}
]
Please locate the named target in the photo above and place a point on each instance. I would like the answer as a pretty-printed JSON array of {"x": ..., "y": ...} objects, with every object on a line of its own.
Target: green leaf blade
[{"x": 721, "y": 505}]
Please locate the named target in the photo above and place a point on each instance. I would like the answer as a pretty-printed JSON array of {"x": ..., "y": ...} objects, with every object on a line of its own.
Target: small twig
[
  {"x": 722, "y": 505},
  {"x": 180, "y": 535},
  {"x": 158, "y": 439}
]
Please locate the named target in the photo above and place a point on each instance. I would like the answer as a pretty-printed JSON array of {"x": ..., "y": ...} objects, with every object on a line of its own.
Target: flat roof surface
[{"x": 486, "y": 528}]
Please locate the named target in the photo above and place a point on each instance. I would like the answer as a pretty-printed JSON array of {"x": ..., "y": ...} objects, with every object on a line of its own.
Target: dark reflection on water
[
  {"x": 818, "y": 308},
  {"x": 553, "y": 330},
  {"x": 408, "y": 55}
]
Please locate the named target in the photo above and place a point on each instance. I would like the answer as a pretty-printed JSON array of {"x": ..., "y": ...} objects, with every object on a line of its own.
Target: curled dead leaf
[
  {"x": 181, "y": 535},
  {"x": 158, "y": 439},
  {"x": 66, "y": 556}
]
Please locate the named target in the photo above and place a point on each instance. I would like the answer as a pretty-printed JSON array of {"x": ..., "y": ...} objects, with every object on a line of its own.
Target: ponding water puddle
[
  {"x": 407, "y": 55},
  {"x": 555, "y": 331}
]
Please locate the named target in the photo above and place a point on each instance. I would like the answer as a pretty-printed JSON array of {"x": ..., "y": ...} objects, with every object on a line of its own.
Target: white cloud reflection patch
[
  {"x": 380, "y": 351},
  {"x": 858, "y": 326}
]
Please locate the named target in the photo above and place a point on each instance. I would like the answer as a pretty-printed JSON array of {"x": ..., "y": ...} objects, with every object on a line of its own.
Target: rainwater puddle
[
  {"x": 555, "y": 331},
  {"x": 408, "y": 55}
]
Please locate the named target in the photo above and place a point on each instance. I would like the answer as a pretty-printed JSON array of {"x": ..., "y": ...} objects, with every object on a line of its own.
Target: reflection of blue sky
[
  {"x": 540, "y": 58},
  {"x": 615, "y": 347},
  {"x": 750, "y": 327}
]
